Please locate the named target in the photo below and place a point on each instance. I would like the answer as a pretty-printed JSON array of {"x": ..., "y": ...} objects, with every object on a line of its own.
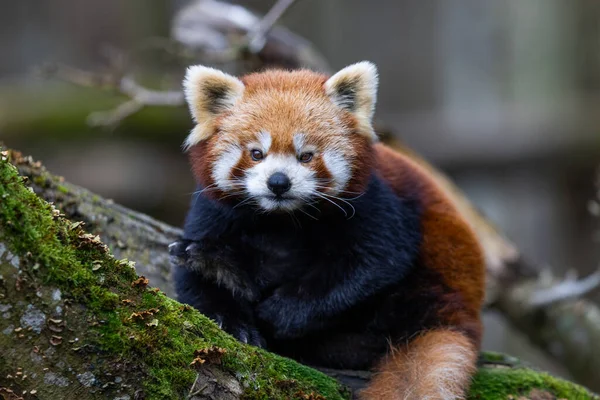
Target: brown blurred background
[{"x": 504, "y": 95}]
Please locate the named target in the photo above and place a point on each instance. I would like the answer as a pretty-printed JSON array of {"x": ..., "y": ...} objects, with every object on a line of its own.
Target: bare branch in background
[
  {"x": 150, "y": 97},
  {"x": 115, "y": 116},
  {"x": 568, "y": 289},
  {"x": 552, "y": 313},
  {"x": 79, "y": 77},
  {"x": 257, "y": 37},
  {"x": 222, "y": 32},
  {"x": 567, "y": 329},
  {"x": 139, "y": 96},
  {"x": 211, "y": 32}
]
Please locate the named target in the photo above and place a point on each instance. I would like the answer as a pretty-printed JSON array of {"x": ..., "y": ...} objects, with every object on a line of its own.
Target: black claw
[
  {"x": 240, "y": 333},
  {"x": 193, "y": 249},
  {"x": 257, "y": 340},
  {"x": 177, "y": 249},
  {"x": 219, "y": 321}
]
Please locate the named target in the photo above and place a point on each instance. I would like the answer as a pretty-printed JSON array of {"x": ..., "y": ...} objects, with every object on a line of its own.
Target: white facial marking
[
  {"x": 302, "y": 179},
  {"x": 299, "y": 140},
  {"x": 300, "y": 145},
  {"x": 223, "y": 166},
  {"x": 265, "y": 140},
  {"x": 339, "y": 168}
]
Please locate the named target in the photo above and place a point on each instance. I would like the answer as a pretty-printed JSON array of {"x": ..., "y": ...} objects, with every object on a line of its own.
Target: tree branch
[
  {"x": 257, "y": 37},
  {"x": 568, "y": 289}
]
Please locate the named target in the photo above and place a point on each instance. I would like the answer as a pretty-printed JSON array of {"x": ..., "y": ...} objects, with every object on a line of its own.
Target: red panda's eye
[
  {"x": 257, "y": 155},
  {"x": 305, "y": 157}
]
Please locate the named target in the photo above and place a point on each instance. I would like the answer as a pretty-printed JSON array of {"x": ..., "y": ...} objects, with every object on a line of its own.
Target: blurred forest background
[{"x": 503, "y": 95}]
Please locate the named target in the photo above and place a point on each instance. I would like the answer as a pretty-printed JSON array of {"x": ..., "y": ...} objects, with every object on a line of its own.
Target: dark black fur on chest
[{"x": 328, "y": 290}]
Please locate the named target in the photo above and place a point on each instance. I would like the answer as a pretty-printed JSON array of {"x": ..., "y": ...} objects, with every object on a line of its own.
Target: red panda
[{"x": 310, "y": 238}]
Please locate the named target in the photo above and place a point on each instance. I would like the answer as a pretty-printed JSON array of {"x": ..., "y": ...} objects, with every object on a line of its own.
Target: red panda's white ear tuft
[
  {"x": 354, "y": 88},
  {"x": 208, "y": 92}
]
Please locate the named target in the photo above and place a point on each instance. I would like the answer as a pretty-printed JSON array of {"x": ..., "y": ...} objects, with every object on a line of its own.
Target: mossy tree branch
[{"x": 77, "y": 322}]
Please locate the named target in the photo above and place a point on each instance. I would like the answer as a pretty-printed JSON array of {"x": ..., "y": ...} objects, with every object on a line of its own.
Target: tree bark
[{"x": 78, "y": 322}]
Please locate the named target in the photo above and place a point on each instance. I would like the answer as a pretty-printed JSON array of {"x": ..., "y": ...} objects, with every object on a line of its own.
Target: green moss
[
  {"x": 490, "y": 357},
  {"x": 39, "y": 180},
  {"x": 103, "y": 299},
  {"x": 62, "y": 189},
  {"x": 164, "y": 338},
  {"x": 500, "y": 383}
]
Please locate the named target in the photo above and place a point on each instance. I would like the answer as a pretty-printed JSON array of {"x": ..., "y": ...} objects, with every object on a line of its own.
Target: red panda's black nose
[{"x": 279, "y": 183}]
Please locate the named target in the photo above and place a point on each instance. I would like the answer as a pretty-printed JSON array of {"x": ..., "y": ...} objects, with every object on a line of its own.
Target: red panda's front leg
[{"x": 436, "y": 365}]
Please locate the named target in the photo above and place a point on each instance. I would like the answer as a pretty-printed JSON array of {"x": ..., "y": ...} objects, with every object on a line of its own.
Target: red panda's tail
[{"x": 437, "y": 365}]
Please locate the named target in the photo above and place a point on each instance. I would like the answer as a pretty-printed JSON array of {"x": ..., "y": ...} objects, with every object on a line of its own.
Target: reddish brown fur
[
  {"x": 436, "y": 365},
  {"x": 449, "y": 246}
]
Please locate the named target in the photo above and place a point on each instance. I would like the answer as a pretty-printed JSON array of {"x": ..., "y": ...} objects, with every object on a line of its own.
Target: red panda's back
[{"x": 449, "y": 244}]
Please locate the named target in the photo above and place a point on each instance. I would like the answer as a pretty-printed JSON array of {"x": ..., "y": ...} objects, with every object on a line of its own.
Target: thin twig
[
  {"x": 149, "y": 97},
  {"x": 198, "y": 391},
  {"x": 79, "y": 77},
  {"x": 116, "y": 115},
  {"x": 139, "y": 96},
  {"x": 193, "y": 386},
  {"x": 570, "y": 288},
  {"x": 257, "y": 36}
]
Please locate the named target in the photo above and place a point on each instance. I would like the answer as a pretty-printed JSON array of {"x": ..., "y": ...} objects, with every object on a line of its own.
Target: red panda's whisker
[
  {"x": 244, "y": 202},
  {"x": 205, "y": 189},
  {"x": 312, "y": 205},
  {"x": 356, "y": 193},
  {"x": 308, "y": 214},
  {"x": 239, "y": 169},
  {"x": 332, "y": 202},
  {"x": 307, "y": 201},
  {"x": 324, "y": 180},
  {"x": 231, "y": 194},
  {"x": 356, "y": 197},
  {"x": 295, "y": 219},
  {"x": 330, "y": 197},
  {"x": 347, "y": 202},
  {"x": 236, "y": 180},
  {"x": 359, "y": 194}
]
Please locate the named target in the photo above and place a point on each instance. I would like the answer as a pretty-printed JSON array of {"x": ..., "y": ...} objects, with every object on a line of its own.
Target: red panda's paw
[
  {"x": 244, "y": 332},
  {"x": 214, "y": 262},
  {"x": 177, "y": 253},
  {"x": 188, "y": 253},
  {"x": 438, "y": 365}
]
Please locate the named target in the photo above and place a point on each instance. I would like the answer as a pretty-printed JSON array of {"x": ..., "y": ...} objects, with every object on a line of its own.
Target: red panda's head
[{"x": 281, "y": 139}]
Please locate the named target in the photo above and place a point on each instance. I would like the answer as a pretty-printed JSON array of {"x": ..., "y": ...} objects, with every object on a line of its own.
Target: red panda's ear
[
  {"x": 208, "y": 92},
  {"x": 354, "y": 88}
]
